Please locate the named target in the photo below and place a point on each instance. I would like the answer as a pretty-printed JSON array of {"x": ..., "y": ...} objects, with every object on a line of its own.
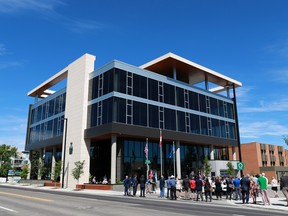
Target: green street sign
[
  {"x": 147, "y": 162},
  {"x": 240, "y": 166}
]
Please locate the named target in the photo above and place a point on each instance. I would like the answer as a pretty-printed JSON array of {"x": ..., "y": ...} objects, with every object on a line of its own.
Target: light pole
[{"x": 64, "y": 151}]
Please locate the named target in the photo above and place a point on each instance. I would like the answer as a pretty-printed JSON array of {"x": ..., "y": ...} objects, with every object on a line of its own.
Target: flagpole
[
  {"x": 161, "y": 152},
  {"x": 174, "y": 157},
  {"x": 147, "y": 159}
]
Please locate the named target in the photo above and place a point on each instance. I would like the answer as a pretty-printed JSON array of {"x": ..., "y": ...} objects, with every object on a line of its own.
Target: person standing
[
  {"x": 199, "y": 185},
  {"x": 218, "y": 188},
  {"x": 186, "y": 187},
  {"x": 135, "y": 185},
  {"x": 274, "y": 187},
  {"x": 126, "y": 184},
  {"x": 142, "y": 182},
  {"x": 193, "y": 188},
  {"x": 161, "y": 186},
  {"x": 237, "y": 187},
  {"x": 284, "y": 185},
  {"x": 208, "y": 190},
  {"x": 245, "y": 188},
  {"x": 173, "y": 188},
  {"x": 168, "y": 185},
  {"x": 262, "y": 181}
]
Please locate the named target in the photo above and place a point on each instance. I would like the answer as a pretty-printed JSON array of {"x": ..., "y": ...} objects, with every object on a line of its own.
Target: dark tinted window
[
  {"x": 108, "y": 82},
  {"x": 153, "y": 90},
  {"x": 180, "y": 96},
  {"x": 169, "y": 94},
  {"x": 181, "y": 121},
  {"x": 153, "y": 116},
  {"x": 169, "y": 119},
  {"x": 119, "y": 110},
  {"x": 120, "y": 77},
  {"x": 193, "y": 101},
  {"x": 139, "y": 86},
  {"x": 139, "y": 113}
]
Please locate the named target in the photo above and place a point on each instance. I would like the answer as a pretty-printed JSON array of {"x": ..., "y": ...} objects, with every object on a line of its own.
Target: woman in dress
[{"x": 274, "y": 187}]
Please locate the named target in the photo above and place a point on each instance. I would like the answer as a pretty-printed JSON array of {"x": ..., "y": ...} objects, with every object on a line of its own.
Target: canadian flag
[{"x": 160, "y": 143}]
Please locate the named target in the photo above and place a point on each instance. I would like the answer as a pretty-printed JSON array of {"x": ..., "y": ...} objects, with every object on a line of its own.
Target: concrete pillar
[
  {"x": 212, "y": 153},
  {"x": 178, "y": 161},
  {"x": 53, "y": 162},
  {"x": 113, "y": 158},
  {"x": 174, "y": 73},
  {"x": 40, "y": 164},
  {"x": 234, "y": 154}
]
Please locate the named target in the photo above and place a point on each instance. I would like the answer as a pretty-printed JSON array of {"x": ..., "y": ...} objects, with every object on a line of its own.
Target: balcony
[
  {"x": 280, "y": 149},
  {"x": 281, "y": 159},
  {"x": 264, "y": 157},
  {"x": 272, "y": 158},
  {"x": 263, "y": 147},
  {"x": 271, "y": 148}
]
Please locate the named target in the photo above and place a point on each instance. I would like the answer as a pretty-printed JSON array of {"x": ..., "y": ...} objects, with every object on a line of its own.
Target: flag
[
  {"x": 172, "y": 151},
  {"x": 160, "y": 143},
  {"x": 146, "y": 150}
]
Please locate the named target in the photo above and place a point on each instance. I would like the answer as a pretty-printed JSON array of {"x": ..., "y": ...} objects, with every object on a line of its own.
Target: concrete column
[
  {"x": 212, "y": 153},
  {"x": 178, "y": 161},
  {"x": 53, "y": 161},
  {"x": 174, "y": 73},
  {"x": 40, "y": 163},
  {"x": 234, "y": 154},
  {"x": 113, "y": 158}
]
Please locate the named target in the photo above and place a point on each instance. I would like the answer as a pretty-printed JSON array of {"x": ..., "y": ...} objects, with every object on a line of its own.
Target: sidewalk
[{"x": 278, "y": 204}]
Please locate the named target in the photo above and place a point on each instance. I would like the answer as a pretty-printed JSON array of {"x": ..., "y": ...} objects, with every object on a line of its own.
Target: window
[
  {"x": 169, "y": 119},
  {"x": 181, "y": 126},
  {"x": 139, "y": 86},
  {"x": 153, "y": 116},
  {"x": 180, "y": 97},
  {"x": 120, "y": 77},
  {"x": 152, "y": 90},
  {"x": 169, "y": 94},
  {"x": 139, "y": 113}
]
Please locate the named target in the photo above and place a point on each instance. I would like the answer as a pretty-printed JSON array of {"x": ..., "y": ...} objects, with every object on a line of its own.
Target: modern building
[
  {"x": 107, "y": 116},
  {"x": 264, "y": 158}
]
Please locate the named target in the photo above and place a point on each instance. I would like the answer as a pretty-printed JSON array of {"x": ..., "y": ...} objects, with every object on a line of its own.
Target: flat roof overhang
[
  {"x": 42, "y": 90},
  {"x": 189, "y": 72}
]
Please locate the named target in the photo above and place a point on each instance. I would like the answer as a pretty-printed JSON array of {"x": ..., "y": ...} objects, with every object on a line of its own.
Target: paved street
[{"x": 33, "y": 200}]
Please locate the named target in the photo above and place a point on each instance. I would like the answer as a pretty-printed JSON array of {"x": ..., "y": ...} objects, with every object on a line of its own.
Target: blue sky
[{"x": 245, "y": 40}]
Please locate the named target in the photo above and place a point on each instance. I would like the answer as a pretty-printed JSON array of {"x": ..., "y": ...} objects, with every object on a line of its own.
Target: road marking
[
  {"x": 27, "y": 197},
  {"x": 7, "y": 209}
]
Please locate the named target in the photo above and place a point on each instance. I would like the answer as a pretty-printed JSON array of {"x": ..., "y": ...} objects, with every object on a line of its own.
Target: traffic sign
[
  {"x": 240, "y": 166},
  {"x": 147, "y": 162}
]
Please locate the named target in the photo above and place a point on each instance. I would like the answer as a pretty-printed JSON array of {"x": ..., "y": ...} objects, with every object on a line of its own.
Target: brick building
[{"x": 264, "y": 158}]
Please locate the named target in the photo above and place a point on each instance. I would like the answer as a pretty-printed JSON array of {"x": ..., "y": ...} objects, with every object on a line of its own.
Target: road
[{"x": 30, "y": 202}]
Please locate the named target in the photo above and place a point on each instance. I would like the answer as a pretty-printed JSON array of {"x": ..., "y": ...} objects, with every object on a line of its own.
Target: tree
[
  {"x": 6, "y": 152},
  {"x": 57, "y": 170},
  {"x": 78, "y": 170},
  {"x": 207, "y": 166},
  {"x": 230, "y": 169},
  {"x": 37, "y": 165},
  {"x": 286, "y": 140},
  {"x": 25, "y": 172}
]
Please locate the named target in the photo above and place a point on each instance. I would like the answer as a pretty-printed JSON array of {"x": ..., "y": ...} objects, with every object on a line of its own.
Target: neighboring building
[
  {"x": 264, "y": 158},
  {"x": 108, "y": 115}
]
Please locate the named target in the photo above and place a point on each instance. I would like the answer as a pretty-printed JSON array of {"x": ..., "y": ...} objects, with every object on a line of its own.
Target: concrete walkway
[{"x": 279, "y": 204}]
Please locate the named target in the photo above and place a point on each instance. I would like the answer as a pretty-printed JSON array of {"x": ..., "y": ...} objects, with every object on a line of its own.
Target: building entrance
[{"x": 100, "y": 160}]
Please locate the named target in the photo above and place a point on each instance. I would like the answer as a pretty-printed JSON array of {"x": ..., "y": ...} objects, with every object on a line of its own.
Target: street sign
[
  {"x": 147, "y": 162},
  {"x": 240, "y": 166}
]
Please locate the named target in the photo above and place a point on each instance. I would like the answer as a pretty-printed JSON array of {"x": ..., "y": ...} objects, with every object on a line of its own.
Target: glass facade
[
  {"x": 158, "y": 104},
  {"x": 47, "y": 118}
]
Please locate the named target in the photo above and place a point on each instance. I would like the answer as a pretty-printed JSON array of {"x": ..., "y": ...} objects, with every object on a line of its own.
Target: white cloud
[
  {"x": 3, "y": 50},
  {"x": 263, "y": 106},
  {"x": 262, "y": 128},
  {"x": 12, "y": 6},
  {"x": 280, "y": 76}
]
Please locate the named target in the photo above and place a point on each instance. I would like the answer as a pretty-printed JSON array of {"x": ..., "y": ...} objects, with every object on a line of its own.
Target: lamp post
[{"x": 64, "y": 152}]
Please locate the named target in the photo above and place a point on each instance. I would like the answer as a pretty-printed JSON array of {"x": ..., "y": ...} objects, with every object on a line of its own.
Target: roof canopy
[{"x": 189, "y": 72}]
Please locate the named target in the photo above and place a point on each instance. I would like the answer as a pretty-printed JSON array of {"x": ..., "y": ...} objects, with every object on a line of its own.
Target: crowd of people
[{"x": 200, "y": 187}]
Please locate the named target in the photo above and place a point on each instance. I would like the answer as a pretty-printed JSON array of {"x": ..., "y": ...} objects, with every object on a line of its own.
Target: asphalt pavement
[{"x": 279, "y": 203}]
